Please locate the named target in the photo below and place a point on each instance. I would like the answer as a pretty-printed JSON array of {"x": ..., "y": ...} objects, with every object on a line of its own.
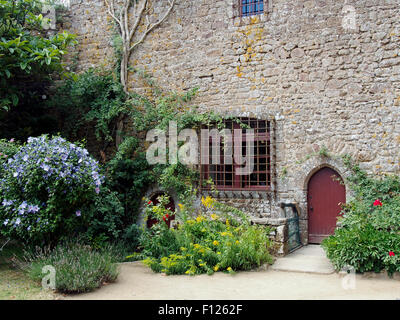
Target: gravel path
[{"x": 137, "y": 282}]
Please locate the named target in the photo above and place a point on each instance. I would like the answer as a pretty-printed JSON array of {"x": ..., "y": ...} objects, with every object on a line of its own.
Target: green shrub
[
  {"x": 8, "y": 148},
  {"x": 105, "y": 216},
  {"x": 79, "y": 268},
  {"x": 223, "y": 241},
  {"x": 364, "y": 248},
  {"x": 27, "y": 55},
  {"x": 131, "y": 237},
  {"x": 368, "y": 237}
]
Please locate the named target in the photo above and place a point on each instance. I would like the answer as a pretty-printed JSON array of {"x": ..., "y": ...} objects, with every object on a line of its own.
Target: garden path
[{"x": 138, "y": 282}]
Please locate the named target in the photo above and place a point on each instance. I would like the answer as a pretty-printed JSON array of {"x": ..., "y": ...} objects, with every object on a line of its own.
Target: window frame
[
  {"x": 239, "y": 180},
  {"x": 265, "y": 4}
]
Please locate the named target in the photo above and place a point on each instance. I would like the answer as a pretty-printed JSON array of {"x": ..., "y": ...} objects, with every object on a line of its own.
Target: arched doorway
[
  {"x": 325, "y": 193},
  {"x": 170, "y": 206}
]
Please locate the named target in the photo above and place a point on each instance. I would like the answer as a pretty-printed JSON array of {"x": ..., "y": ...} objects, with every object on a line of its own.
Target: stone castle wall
[{"x": 325, "y": 85}]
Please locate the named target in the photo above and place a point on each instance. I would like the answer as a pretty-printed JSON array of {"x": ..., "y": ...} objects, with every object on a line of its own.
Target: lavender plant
[{"x": 45, "y": 188}]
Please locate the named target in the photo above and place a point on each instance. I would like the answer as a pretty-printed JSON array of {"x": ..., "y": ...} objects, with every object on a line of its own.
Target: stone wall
[{"x": 325, "y": 85}]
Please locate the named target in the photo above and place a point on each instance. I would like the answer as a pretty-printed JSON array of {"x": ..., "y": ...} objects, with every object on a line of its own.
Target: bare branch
[
  {"x": 139, "y": 17},
  {"x": 111, "y": 12},
  {"x": 149, "y": 29}
]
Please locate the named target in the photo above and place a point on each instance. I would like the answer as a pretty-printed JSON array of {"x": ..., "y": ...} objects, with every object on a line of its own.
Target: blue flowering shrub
[{"x": 46, "y": 188}]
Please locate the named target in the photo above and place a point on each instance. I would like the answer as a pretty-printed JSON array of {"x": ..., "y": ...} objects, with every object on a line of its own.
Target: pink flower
[
  {"x": 377, "y": 202},
  {"x": 78, "y": 213},
  {"x": 12, "y": 140},
  {"x": 97, "y": 190}
]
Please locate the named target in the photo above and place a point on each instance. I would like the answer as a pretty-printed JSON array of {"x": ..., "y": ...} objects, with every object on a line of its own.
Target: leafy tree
[{"x": 28, "y": 56}]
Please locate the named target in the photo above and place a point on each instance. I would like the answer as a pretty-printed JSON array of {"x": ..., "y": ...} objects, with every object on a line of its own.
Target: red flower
[
  {"x": 391, "y": 253},
  {"x": 166, "y": 217},
  {"x": 377, "y": 202},
  {"x": 149, "y": 203}
]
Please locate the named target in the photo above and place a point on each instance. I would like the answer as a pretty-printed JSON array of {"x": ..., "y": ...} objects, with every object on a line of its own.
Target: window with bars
[
  {"x": 224, "y": 175},
  {"x": 251, "y": 7}
]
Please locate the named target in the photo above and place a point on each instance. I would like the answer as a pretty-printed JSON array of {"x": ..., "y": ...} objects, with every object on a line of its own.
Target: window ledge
[{"x": 244, "y": 194}]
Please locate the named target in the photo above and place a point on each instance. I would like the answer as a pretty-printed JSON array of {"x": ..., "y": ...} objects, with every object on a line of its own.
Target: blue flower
[{"x": 7, "y": 203}]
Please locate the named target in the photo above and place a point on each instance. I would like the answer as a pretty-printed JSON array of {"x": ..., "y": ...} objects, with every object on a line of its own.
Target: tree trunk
[{"x": 124, "y": 82}]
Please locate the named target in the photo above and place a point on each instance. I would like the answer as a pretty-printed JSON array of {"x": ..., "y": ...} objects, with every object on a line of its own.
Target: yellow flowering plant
[{"x": 223, "y": 241}]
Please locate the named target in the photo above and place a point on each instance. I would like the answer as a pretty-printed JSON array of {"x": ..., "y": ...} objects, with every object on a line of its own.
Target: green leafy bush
[
  {"x": 131, "y": 237},
  {"x": 105, "y": 218},
  {"x": 93, "y": 99},
  {"x": 368, "y": 237},
  {"x": 206, "y": 244},
  {"x": 8, "y": 148},
  {"x": 79, "y": 268},
  {"x": 27, "y": 54},
  {"x": 364, "y": 248}
]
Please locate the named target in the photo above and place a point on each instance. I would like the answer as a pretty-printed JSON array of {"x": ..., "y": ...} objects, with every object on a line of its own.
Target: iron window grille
[
  {"x": 251, "y": 7},
  {"x": 223, "y": 175}
]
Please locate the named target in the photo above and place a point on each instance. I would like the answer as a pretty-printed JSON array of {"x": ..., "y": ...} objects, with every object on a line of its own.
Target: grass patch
[{"x": 14, "y": 283}]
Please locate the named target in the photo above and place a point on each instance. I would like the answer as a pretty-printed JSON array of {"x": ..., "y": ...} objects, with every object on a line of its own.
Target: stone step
[{"x": 308, "y": 259}]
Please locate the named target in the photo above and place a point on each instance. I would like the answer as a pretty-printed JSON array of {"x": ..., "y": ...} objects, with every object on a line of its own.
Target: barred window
[
  {"x": 224, "y": 175},
  {"x": 251, "y": 7}
]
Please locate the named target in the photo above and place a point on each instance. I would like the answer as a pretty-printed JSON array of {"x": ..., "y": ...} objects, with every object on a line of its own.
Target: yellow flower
[
  {"x": 215, "y": 243},
  {"x": 200, "y": 219},
  {"x": 208, "y": 202},
  {"x": 237, "y": 242},
  {"x": 224, "y": 233},
  {"x": 196, "y": 245},
  {"x": 229, "y": 269},
  {"x": 218, "y": 252},
  {"x": 181, "y": 206},
  {"x": 216, "y": 268},
  {"x": 214, "y": 216},
  {"x": 227, "y": 222},
  {"x": 183, "y": 249}
]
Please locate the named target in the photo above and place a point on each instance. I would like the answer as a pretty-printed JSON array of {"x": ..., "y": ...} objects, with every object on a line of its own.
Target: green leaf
[{"x": 15, "y": 99}]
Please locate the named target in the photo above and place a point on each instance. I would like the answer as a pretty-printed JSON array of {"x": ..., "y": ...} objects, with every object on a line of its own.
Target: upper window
[
  {"x": 251, "y": 7},
  {"x": 225, "y": 175}
]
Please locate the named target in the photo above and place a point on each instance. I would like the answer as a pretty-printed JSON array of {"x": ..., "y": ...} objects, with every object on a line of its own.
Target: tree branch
[
  {"x": 149, "y": 29},
  {"x": 139, "y": 17},
  {"x": 111, "y": 12}
]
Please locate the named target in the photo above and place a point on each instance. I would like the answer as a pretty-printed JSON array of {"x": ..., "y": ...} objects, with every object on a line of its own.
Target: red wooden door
[{"x": 326, "y": 192}]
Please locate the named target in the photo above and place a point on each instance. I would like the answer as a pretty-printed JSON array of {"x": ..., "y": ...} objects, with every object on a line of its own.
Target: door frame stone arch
[{"x": 304, "y": 172}]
